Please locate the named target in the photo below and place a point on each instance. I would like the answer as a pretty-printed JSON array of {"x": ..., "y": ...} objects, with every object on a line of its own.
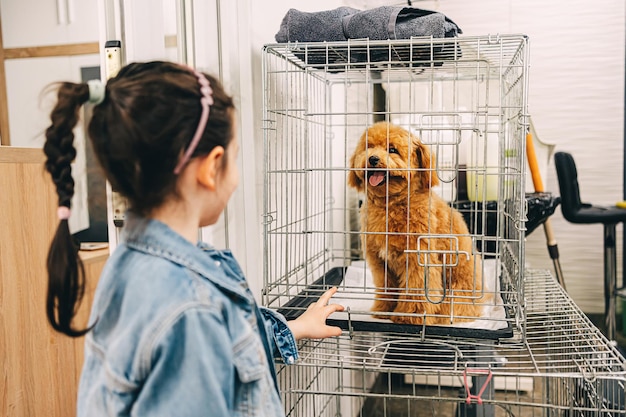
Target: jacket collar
[{"x": 218, "y": 266}]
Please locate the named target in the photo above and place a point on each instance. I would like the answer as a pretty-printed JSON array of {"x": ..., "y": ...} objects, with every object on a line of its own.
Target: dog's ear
[
  {"x": 353, "y": 178},
  {"x": 425, "y": 162}
]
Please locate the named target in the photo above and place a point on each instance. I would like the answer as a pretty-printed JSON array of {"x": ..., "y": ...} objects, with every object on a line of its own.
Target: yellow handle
[{"x": 532, "y": 163}]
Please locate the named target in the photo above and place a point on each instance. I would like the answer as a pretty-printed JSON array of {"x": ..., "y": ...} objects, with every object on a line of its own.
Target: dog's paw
[
  {"x": 383, "y": 306},
  {"x": 414, "y": 320},
  {"x": 381, "y": 316}
]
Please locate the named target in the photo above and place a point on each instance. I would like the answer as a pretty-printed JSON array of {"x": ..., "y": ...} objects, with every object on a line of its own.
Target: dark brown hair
[{"x": 140, "y": 130}]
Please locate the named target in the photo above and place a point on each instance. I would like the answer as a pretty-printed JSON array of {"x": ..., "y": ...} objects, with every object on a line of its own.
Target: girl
[{"x": 175, "y": 330}]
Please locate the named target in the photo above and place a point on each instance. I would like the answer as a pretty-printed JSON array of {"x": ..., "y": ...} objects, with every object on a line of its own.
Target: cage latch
[
  {"x": 350, "y": 329},
  {"x": 477, "y": 397}
]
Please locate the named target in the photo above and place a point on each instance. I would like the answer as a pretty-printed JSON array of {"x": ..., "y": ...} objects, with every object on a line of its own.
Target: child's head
[
  {"x": 146, "y": 121},
  {"x": 150, "y": 120}
]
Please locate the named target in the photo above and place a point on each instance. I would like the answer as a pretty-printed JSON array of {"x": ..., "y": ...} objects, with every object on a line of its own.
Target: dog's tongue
[{"x": 376, "y": 178}]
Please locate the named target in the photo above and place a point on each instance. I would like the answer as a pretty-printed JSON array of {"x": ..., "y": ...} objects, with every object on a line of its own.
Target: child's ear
[{"x": 209, "y": 167}]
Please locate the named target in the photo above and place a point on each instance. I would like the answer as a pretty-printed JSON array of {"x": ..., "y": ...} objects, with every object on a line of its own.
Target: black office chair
[{"x": 576, "y": 211}]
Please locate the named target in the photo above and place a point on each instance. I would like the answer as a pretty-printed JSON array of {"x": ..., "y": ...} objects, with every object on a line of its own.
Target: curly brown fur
[{"x": 401, "y": 213}]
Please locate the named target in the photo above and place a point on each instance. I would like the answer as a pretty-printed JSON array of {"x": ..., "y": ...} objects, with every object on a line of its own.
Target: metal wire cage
[{"x": 465, "y": 99}]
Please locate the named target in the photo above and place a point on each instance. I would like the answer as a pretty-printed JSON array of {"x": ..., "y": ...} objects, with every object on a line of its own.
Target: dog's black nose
[{"x": 374, "y": 160}]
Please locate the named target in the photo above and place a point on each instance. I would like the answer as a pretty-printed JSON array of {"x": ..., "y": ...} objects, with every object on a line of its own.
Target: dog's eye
[{"x": 393, "y": 150}]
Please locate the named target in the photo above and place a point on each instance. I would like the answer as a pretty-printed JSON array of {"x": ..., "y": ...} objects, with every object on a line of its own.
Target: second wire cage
[{"x": 395, "y": 170}]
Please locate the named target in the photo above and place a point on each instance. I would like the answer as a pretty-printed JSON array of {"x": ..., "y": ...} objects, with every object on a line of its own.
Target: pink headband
[{"x": 206, "y": 101}]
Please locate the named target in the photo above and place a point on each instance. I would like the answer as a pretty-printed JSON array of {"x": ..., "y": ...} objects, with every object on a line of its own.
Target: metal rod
[
  {"x": 553, "y": 248},
  {"x": 610, "y": 281}
]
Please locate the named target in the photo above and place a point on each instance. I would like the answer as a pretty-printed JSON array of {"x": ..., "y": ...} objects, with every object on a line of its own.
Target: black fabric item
[{"x": 540, "y": 207}]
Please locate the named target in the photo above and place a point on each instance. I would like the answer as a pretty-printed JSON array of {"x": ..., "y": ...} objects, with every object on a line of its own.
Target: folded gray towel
[
  {"x": 389, "y": 22},
  {"x": 300, "y": 26},
  {"x": 380, "y": 23}
]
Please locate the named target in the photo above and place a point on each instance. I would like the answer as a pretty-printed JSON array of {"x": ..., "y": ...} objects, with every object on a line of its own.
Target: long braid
[{"x": 65, "y": 270}]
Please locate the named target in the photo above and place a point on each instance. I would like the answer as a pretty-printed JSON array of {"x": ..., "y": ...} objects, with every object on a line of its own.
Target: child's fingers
[
  {"x": 334, "y": 307},
  {"x": 325, "y": 298},
  {"x": 334, "y": 331}
]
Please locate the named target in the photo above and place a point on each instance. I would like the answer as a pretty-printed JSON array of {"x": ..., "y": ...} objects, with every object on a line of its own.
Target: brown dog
[{"x": 417, "y": 247}]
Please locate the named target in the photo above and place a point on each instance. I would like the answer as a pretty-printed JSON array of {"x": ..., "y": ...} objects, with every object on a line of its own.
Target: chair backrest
[{"x": 568, "y": 185}]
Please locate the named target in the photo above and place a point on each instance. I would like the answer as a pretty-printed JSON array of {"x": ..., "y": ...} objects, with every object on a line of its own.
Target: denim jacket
[{"x": 176, "y": 333}]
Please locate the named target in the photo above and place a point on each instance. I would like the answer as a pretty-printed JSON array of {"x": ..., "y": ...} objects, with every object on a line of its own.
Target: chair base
[{"x": 610, "y": 280}]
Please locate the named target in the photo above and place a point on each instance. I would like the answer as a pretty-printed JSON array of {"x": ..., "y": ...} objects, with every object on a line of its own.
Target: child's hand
[{"x": 312, "y": 323}]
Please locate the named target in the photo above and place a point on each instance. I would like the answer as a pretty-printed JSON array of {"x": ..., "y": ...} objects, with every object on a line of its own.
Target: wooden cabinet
[{"x": 38, "y": 368}]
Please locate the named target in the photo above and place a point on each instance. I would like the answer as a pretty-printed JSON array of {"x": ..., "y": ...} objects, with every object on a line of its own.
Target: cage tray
[{"x": 335, "y": 276}]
